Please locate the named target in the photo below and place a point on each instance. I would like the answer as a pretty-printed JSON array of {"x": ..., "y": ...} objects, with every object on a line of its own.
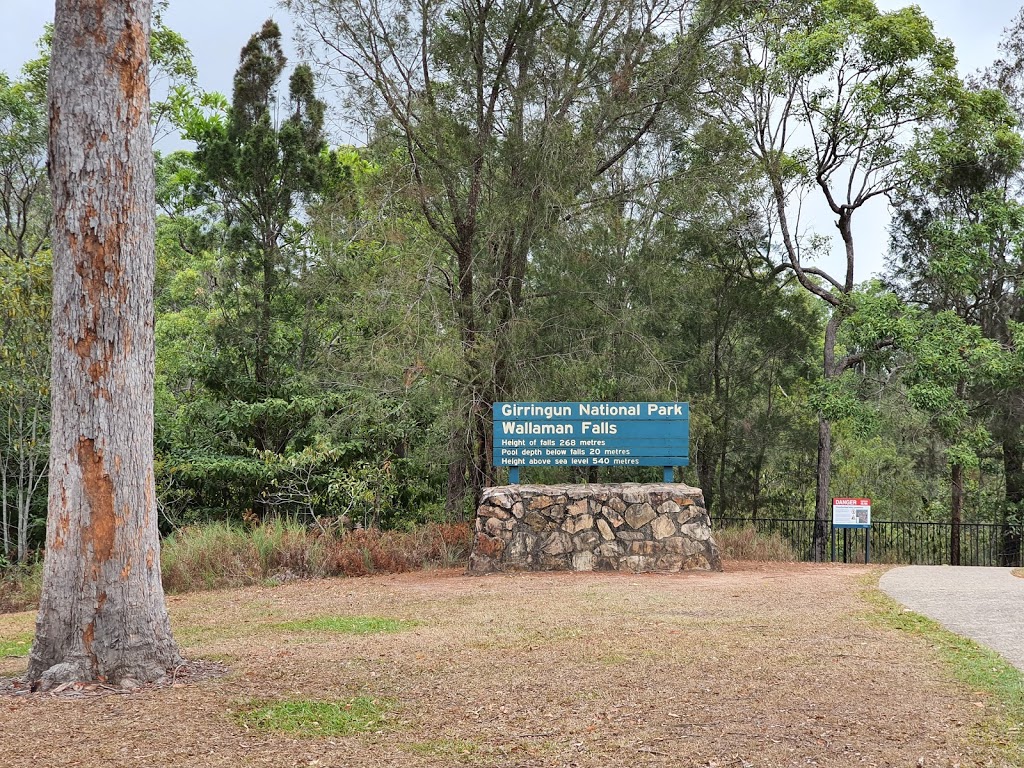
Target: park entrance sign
[
  {"x": 634, "y": 527},
  {"x": 637, "y": 434}
]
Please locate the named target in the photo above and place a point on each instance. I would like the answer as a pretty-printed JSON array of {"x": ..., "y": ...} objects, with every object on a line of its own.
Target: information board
[
  {"x": 635, "y": 434},
  {"x": 851, "y": 513}
]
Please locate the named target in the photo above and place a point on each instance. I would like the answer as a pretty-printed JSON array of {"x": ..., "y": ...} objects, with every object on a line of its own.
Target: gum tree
[
  {"x": 826, "y": 94},
  {"x": 102, "y": 614}
]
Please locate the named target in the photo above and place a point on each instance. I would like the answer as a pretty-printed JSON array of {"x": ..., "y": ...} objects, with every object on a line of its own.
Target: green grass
[
  {"x": 19, "y": 646},
  {"x": 320, "y": 719},
  {"x": 981, "y": 670},
  {"x": 348, "y": 625}
]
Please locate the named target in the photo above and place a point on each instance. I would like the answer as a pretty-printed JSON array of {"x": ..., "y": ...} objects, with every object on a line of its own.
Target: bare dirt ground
[{"x": 763, "y": 665}]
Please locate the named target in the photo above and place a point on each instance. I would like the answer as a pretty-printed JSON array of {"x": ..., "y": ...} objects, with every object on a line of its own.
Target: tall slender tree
[
  {"x": 827, "y": 94},
  {"x": 102, "y": 614}
]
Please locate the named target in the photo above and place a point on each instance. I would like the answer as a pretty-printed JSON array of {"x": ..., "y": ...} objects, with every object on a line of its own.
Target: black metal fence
[{"x": 907, "y": 542}]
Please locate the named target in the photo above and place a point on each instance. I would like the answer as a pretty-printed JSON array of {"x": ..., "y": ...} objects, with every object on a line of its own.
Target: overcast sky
[{"x": 216, "y": 30}]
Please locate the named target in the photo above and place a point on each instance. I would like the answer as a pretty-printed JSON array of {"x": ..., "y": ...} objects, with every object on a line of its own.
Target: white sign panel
[{"x": 851, "y": 513}]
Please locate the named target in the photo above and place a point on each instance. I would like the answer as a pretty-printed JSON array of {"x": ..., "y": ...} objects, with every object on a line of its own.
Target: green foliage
[
  {"x": 254, "y": 291},
  {"x": 544, "y": 210},
  {"x": 348, "y": 625},
  {"x": 320, "y": 719},
  {"x": 25, "y": 297}
]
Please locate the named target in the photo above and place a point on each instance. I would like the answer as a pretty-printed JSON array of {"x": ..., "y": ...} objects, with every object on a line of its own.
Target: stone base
[{"x": 627, "y": 527}]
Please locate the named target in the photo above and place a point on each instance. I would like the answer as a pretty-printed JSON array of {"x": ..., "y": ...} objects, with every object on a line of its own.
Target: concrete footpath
[{"x": 984, "y": 604}]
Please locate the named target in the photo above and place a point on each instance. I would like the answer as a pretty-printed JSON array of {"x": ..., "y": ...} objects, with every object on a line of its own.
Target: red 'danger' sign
[{"x": 851, "y": 513}]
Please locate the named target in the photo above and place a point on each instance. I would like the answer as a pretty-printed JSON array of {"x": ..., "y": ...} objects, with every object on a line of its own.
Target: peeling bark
[{"x": 102, "y": 614}]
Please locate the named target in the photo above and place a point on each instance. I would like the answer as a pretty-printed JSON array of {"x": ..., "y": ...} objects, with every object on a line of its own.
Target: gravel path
[{"x": 985, "y": 604}]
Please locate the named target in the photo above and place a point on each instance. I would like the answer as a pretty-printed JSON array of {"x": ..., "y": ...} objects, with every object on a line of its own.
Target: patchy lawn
[{"x": 763, "y": 665}]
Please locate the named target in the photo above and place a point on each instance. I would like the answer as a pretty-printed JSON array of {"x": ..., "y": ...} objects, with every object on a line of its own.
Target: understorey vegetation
[
  {"x": 584, "y": 203},
  {"x": 222, "y": 555}
]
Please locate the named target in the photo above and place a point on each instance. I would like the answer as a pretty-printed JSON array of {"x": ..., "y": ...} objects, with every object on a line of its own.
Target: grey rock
[
  {"x": 500, "y": 499},
  {"x": 576, "y": 524},
  {"x": 610, "y": 549},
  {"x": 539, "y": 502},
  {"x": 557, "y": 543},
  {"x": 696, "y": 531},
  {"x": 586, "y": 540},
  {"x": 629, "y": 535},
  {"x": 523, "y": 544},
  {"x": 639, "y": 515},
  {"x": 674, "y": 544},
  {"x": 669, "y": 562},
  {"x": 630, "y": 527},
  {"x": 535, "y": 520},
  {"x": 662, "y": 527},
  {"x": 668, "y": 508},
  {"x": 492, "y": 511},
  {"x": 642, "y": 548},
  {"x": 633, "y": 495},
  {"x": 577, "y": 508},
  {"x": 637, "y": 564},
  {"x": 583, "y": 561},
  {"x": 612, "y": 515}
]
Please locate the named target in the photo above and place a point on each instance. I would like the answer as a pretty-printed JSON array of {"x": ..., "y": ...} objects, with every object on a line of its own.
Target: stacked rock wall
[{"x": 652, "y": 527}]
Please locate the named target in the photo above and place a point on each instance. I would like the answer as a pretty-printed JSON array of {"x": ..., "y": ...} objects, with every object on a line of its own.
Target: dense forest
[{"x": 588, "y": 200}]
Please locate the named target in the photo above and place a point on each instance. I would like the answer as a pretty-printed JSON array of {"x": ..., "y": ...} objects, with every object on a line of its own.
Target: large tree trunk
[
  {"x": 102, "y": 614},
  {"x": 1013, "y": 467},
  {"x": 956, "y": 511},
  {"x": 822, "y": 497},
  {"x": 823, "y": 475}
]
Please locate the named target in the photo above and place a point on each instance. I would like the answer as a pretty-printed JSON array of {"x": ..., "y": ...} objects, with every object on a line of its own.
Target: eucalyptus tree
[
  {"x": 957, "y": 239},
  {"x": 25, "y": 275},
  {"x": 826, "y": 94},
  {"x": 102, "y": 614},
  {"x": 509, "y": 115}
]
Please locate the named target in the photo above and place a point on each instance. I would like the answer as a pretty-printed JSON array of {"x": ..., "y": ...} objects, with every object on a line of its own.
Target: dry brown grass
[
  {"x": 745, "y": 543},
  {"x": 19, "y": 587},
  {"x": 218, "y": 556},
  {"x": 215, "y": 556},
  {"x": 763, "y": 665}
]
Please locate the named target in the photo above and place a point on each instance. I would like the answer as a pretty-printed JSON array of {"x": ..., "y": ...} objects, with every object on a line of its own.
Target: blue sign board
[{"x": 591, "y": 434}]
